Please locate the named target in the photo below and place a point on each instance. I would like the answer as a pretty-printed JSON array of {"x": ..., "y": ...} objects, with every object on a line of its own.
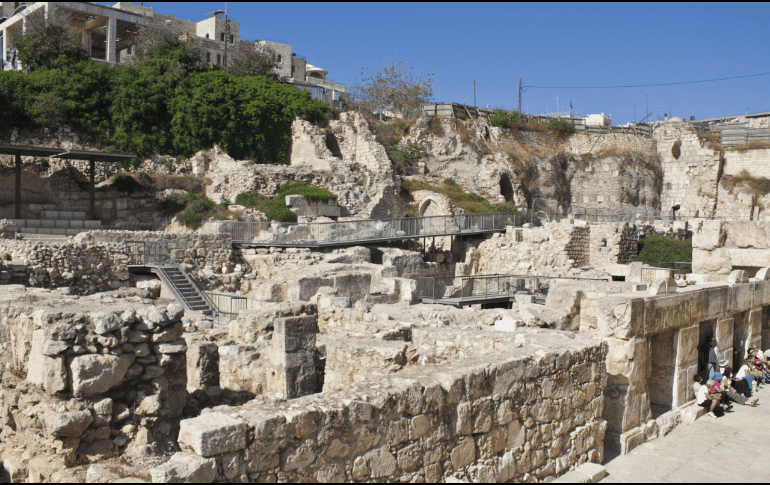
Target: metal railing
[
  {"x": 362, "y": 231},
  {"x": 230, "y": 305},
  {"x": 477, "y": 288},
  {"x": 154, "y": 253}
]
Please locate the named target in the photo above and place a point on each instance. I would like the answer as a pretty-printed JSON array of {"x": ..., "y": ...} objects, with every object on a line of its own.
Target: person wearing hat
[
  {"x": 723, "y": 377},
  {"x": 713, "y": 360}
]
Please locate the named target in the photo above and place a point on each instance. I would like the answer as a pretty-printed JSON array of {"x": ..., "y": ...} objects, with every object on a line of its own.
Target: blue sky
[{"x": 563, "y": 44}]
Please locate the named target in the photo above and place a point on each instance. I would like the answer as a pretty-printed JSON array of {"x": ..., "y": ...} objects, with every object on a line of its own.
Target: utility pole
[
  {"x": 474, "y": 93},
  {"x": 519, "y": 95}
]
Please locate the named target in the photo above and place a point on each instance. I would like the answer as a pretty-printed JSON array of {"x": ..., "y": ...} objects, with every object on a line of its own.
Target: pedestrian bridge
[
  {"x": 461, "y": 291},
  {"x": 365, "y": 231}
]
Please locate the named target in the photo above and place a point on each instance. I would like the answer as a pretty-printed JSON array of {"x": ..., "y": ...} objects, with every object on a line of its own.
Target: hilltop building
[{"x": 106, "y": 33}]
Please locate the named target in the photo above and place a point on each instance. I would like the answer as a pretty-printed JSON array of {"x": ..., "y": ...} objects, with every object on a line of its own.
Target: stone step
[
  {"x": 64, "y": 215},
  {"x": 49, "y": 231},
  {"x": 58, "y": 224}
]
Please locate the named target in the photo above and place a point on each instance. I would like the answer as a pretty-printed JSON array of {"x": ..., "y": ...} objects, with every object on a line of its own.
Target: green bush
[
  {"x": 656, "y": 249},
  {"x": 469, "y": 202},
  {"x": 274, "y": 208},
  {"x": 126, "y": 183},
  {"x": 559, "y": 127},
  {"x": 503, "y": 119},
  {"x": 310, "y": 192},
  {"x": 192, "y": 208}
]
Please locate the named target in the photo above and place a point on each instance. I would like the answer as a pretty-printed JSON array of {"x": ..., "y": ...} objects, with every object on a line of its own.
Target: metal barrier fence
[
  {"x": 362, "y": 231},
  {"x": 230, "y": 305},
  {"x": 459, "y": 289}
]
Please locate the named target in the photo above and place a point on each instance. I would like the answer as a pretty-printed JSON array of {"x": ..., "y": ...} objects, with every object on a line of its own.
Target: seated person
[
  {"x": 725, "y": 386},
  {"x": 748, "y": 373},
  {"x": 709, "y": 400},
  {"x": 759, "y": 363}
]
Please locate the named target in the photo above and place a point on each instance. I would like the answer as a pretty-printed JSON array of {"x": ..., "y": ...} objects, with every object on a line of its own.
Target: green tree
[
  {"x": 48, "y": 45},
  {"x": 252, "y": 60},
  {"x": 249, "y": 117}
]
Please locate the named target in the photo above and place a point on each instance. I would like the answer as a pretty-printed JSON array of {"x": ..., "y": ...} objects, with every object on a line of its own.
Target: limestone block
[
  {"x": 185, "y": 468},
  {"x": 202, "y": 364},
  {"x": 663, "y": 286},
  {"x": 715, "y": 261},
  {"x": 737, "y": 276},
  {"x": 763, "y": 274},
  {"x": 630, "y": 440},
  {"x": 666, "y": 313},
  {"x": 381, "y": 462},
  {"x": 463, "y": 454},
  {"x": 47, "y": 372},
  {"x": 105, "y": 322},
  {"x": 212, "y": 434},
  {"x": 72, "y": 423},
  {"x": 95, "y": 374},
  {"x": 622, "y": 317}
]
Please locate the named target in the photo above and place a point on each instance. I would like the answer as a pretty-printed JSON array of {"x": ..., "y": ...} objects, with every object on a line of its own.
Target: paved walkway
[{"x": 695, "y": 452}]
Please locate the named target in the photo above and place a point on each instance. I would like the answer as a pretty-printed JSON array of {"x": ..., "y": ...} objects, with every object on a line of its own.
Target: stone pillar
[
  {"x": 755, "y": 328},
  {"x": 724, "y": 335},
  {"x": 765, "y": 331},
  {"x": 291, "y": 362},
  {"x": 686, "y": 348},
  {"x": 111, "y": 40},
  {"x": 85, "y": 41},
  {"x": 5, "y": 45}
]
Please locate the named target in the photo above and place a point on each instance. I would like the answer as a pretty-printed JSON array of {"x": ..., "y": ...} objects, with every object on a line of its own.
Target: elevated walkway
[
  {"x": 461, "y": 291},
  {"x": 365, "y": 231},
  {"x": 156, "y": 259}
]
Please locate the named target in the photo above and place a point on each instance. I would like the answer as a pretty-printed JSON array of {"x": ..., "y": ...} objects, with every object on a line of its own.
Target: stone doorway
[
  {"x": 740, "y": 338},
  {"x": 706, "y": 333},
  {"x": 506, "y": 188},
  {"x": 660, "y": 382}
]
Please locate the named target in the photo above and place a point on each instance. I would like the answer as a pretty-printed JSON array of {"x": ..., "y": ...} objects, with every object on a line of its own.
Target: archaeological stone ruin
[{"x": 388, "y": 334}]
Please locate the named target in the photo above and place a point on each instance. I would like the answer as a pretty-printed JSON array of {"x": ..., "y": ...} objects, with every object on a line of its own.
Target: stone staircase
[
  {"x": 185, "y": 290},
  {"x": 57, "y": 223}
]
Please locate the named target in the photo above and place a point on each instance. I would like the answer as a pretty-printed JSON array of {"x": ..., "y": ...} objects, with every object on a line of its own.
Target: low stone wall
[
  {"x": 97, "y": 260},
  {"x": 98, "y": 382},
  {"x": 516, "y": 416}
]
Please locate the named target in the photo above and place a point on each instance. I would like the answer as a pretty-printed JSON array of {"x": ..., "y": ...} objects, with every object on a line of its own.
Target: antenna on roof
[{"x": 215, "y": 13}]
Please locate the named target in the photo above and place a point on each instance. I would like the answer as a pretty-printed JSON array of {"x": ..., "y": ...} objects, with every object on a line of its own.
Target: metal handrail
[
  {"x": 197, "y": 267},
  {"x": 163, "y": 257}
]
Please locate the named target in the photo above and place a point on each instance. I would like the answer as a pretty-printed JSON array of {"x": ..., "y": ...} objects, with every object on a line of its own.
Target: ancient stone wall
[
  {"x": 646, "y": 332},
  {"x": 513, "y": 417},
  {"x": 691, "y": 169},
  {"x": 97, "y": 260},
  {"x": 100, "y": 381},
  {"x": 719, "y": 247}
]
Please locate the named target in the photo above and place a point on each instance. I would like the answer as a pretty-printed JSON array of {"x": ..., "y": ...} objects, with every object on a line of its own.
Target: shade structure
[{"x": 46, "y": 152}]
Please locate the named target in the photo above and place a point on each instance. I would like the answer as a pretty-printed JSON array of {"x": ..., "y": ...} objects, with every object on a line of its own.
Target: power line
[{"x": 649, "y": 85}]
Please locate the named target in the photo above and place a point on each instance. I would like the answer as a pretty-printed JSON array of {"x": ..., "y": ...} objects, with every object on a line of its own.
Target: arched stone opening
[
  {"x": 430, "y": 207},
  {"x": 506, "y": 188}
]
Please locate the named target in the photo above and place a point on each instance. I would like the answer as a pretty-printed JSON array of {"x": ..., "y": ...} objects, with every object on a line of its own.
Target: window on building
[
  {"x": 232, "y": 39},
  {"x": 222, "y": 37},
  {"x": 207, "y": 36},
  {"x": 279, "y": 58},
  {"x": 208, "y": 58},
  {"x": 219, "y": 59}
]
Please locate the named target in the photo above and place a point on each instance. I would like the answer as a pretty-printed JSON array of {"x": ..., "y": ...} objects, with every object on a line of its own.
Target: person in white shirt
[
  {"x": 746, "y": 372},
  {"x": 708, "y": 399}
]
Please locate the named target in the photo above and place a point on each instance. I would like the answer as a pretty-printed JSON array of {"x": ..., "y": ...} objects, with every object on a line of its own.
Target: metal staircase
[{"x": 156, "y": 259}]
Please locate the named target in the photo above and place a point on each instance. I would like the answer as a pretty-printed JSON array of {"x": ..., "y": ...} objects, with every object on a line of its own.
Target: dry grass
[
  {"x": 462, "y": 131},
  {"x": 752, "y": 145},
  {"x": 712, "y": 139},
  {"x": 435, "y": 127},
  {"x": 746, "y": 183},
  {"x": 612, "y": 151}
]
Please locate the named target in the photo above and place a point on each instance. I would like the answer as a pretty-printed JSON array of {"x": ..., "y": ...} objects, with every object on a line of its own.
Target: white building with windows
[{"x": 106, "y": 33}]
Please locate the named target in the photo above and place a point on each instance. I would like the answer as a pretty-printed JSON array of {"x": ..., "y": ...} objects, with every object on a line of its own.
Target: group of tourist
[{"x": 725, "y": 387}]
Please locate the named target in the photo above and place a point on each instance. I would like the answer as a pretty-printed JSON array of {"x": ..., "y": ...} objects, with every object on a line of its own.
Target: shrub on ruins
[
  {"x": 403, "y": 157},
  {"x": 124, "y": 182},
  {"x": 14, "y": 116},
  {"x": 655, "y": 249},
  {"x": 249, "y": 117},
  {"x": 190, "y": 208},
  {"x": 469, "y": 202},
  {"x": 559, "y": 127},
  {"x": 310, "y": 192},
  {"x": 504, "y": 119}
]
